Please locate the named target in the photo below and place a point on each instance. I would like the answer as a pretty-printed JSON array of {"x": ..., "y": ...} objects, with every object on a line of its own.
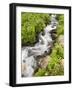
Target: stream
[{"x": 43, "y": 47}]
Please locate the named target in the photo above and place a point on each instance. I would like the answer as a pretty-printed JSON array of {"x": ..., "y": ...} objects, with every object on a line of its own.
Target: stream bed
[{"x": 37, "y": 56}]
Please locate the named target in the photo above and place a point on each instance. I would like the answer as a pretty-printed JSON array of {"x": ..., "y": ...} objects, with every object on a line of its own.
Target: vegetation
[
  {"x": 54, "y": 66},
  {"x": 60, "y": 28},
  {"x": 31, "y": 25}
]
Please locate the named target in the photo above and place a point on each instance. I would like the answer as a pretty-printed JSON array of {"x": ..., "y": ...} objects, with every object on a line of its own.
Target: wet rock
[
  {"x": 53, "y": 31},
  {"x": 30, "y": 60},
  {"x": 27, "y": 71},
  {"x": 54, "y": 36}
]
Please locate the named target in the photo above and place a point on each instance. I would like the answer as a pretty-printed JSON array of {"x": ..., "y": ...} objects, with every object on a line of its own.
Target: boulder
[
  {"x": 43, "y": 62},
  {"x": 26, "y": 71},
  {"x": 61, "y": 40}
]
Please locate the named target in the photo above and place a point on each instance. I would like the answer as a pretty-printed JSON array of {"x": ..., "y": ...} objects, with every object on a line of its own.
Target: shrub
[
  {"x": 31, "y": 25},
  {"x": 60, "y": 28}
]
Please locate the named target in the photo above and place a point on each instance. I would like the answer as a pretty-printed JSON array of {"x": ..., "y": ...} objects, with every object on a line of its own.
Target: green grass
[{"x": 31, "y": 25}]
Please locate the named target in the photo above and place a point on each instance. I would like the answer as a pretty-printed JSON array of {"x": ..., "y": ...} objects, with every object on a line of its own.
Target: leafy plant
[
  {"x": 41, "y": 72},
  {"x": 60, "y": 28},
  {"x": 54, "y": 66},
  {"x": 31, "y": 25}
]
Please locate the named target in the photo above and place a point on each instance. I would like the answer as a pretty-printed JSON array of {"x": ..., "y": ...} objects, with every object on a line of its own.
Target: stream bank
[{"x": 36, "y": 59}]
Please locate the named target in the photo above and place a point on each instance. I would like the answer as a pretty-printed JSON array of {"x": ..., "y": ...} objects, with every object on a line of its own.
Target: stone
[
  {"x": 61, "y": 40},
  {"x": 62, "y": 62},
  {"x": 43, "y": 62},
  {"x": 26, "y": 71},
  {"x": 41, "y": 48}
]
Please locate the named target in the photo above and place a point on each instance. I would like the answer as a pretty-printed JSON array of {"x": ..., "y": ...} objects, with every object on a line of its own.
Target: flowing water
[{"x": 29, "y": 54}]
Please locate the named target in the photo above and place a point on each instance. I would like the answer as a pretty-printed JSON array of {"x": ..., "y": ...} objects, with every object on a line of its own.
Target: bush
[
  {"x": 41, "y": 72},
  {"x": 54, "y": 66},
  {"x": 60, "y": 28},
  {"x": 31, "y": 25}
]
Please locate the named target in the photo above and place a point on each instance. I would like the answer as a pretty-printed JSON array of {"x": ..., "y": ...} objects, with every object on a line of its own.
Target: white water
[{"x": 40, "y": 48}]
